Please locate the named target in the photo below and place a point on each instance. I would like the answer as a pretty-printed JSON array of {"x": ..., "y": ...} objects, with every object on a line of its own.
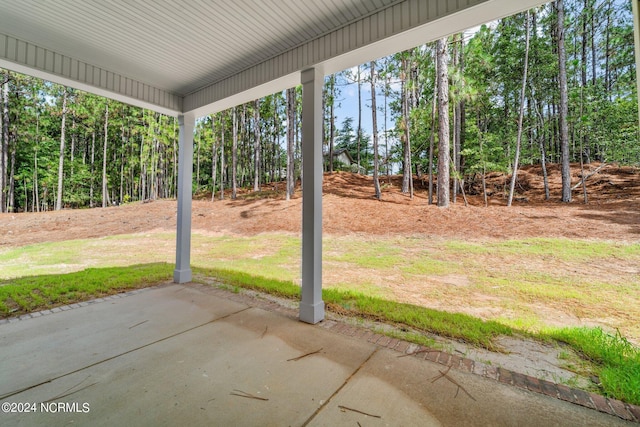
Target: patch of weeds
[{"x": 613, "y": 358}]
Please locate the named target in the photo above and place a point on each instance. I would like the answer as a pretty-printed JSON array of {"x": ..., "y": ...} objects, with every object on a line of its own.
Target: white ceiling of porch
[
  {"x": 177, "y": 46},
  {"x": 199, "y": 56}
]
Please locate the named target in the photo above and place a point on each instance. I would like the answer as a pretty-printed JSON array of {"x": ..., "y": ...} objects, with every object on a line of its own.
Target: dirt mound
[{"x": 349, "y": 207}]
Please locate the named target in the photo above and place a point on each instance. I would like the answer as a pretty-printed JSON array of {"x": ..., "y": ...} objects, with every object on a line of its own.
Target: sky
[{"x": 348, "y": 98}]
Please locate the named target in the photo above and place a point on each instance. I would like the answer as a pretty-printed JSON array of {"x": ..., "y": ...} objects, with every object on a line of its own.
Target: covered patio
[
  {"x": 197, "y": 355},
  {"x": 189, "y": 59}
]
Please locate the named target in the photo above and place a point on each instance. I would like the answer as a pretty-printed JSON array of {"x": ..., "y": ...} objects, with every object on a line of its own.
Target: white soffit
[{"x": 200, "y": 56}]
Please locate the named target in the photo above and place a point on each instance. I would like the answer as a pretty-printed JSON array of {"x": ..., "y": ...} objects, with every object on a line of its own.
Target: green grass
[
  {"x": 33, "y": 293},
  {"x": 380, "y": 255},
  {"x": 237, "y": 278},
  {"x": 373, "y": 278},
  {"x": 564, "y": 249},
  {"x": 452, "y": 325},
  {"x": 613, "y": 359}
]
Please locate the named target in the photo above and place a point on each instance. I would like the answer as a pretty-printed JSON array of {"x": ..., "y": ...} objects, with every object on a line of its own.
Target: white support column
[
  {"x": 635, "y": 7},
  {"x": 311, "y": 305},
  {"x": 182, "y": 273}
]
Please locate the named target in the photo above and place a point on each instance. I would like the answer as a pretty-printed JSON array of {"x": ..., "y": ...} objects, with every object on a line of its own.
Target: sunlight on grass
[
  {"x": 501, "y": 280},
  {"x": 374, "y": 255},
  {"x": 612, "y": 357},
  {"x": 74, "y": 255},
  {"x": 275, "y": 256},
  {"x": 32, "y": 293},
  {"x": 564, "y": 249}
]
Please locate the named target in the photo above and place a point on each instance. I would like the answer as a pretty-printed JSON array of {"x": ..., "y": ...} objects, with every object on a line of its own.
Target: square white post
[
  {"x": 311, "y": 305},
  {"x": 182, "y": 273}
]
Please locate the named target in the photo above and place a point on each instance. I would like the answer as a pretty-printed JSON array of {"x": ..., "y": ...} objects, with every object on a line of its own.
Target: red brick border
[
  {"x": 526, "y": 382},
  {"x": 558, "y": 391}
]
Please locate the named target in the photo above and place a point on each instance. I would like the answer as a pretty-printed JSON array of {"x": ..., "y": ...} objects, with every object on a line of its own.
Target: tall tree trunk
[
  {"x": 443, "y": 132},
  {"x": 332, "y": 119},
  {"x": 93, "y": 157},
  {"x": 73, "y": 145},
  {"x": 275, "y": 162},
  {"x": 105, "y": 193},
  {"x": 387, "y": 86},
  {"x": 246, "y": 157},
  {"x": 481, "y": 130},
  {"x": 214, "y": 159},
  {"x": 234, "y": 155},
  {"x": 607, "y": 52},
  {"x": 407, "y": 175},
  {"x": 214, "y": 169},
  {"x": 291, "y": 117},
  {"x": 374, "y": 121},
  {"x": 594, "y": 57},
  {"x": 456, "y": 122},
  {"x": 4, "y": 143},
  {"x": 256, "y": 145},
  {"x": 222, "y": 163},
  {"x": 541, "y": 140},
  {"x": 564, "y": 106},
  {"x": 11, "y": 202},
  {"x": 175, "y": 159},
  {"x": 584, "y": 145},
  {"x": 36, "y": 190},
  {"x": 123, "y": 144},
  {"x": 584, "y": 135},
  {"x": 359, "y": 134},
  {"x": 61, "y": 157},
  {"x": 514, "y": 175},
  {"x": 432, "y": 137},
  {"x": 198, "y": 145}
]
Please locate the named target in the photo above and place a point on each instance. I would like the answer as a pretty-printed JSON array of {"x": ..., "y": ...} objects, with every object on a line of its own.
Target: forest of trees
[{"x": 528, "y": 89}]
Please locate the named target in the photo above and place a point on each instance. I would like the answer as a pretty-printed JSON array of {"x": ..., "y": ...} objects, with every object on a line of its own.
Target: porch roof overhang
[{"x": 198, "y": 57}]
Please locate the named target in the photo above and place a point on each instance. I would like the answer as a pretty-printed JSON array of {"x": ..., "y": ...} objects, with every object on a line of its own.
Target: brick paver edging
[{"x": 559, "y": 391}]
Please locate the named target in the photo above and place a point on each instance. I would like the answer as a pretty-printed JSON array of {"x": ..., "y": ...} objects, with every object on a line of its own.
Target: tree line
[{"x": 552, "y": 85}]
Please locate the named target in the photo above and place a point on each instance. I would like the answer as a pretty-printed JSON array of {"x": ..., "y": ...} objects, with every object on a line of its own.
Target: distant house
[{"x": 342, "y": 158}]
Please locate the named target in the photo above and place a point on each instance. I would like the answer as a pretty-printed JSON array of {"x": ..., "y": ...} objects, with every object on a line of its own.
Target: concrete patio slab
[
  {"x": 407, "y": 391},
  {"x": 36, "y": 351},
  {"x": 189, "y": 355}
]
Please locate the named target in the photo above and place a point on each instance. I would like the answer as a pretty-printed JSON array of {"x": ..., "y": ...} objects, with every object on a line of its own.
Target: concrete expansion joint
[
  {"x": 589, "y": 400},
  {"x": 510, "y": 378},
  {"x": 337, "y": 391}
]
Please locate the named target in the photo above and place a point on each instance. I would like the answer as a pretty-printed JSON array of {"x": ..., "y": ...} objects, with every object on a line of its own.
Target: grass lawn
[{"x": 464, "y": 290}]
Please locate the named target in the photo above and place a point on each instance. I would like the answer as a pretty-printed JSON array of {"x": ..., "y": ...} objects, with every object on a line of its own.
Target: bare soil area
[{"x": 612, "y": 211}]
